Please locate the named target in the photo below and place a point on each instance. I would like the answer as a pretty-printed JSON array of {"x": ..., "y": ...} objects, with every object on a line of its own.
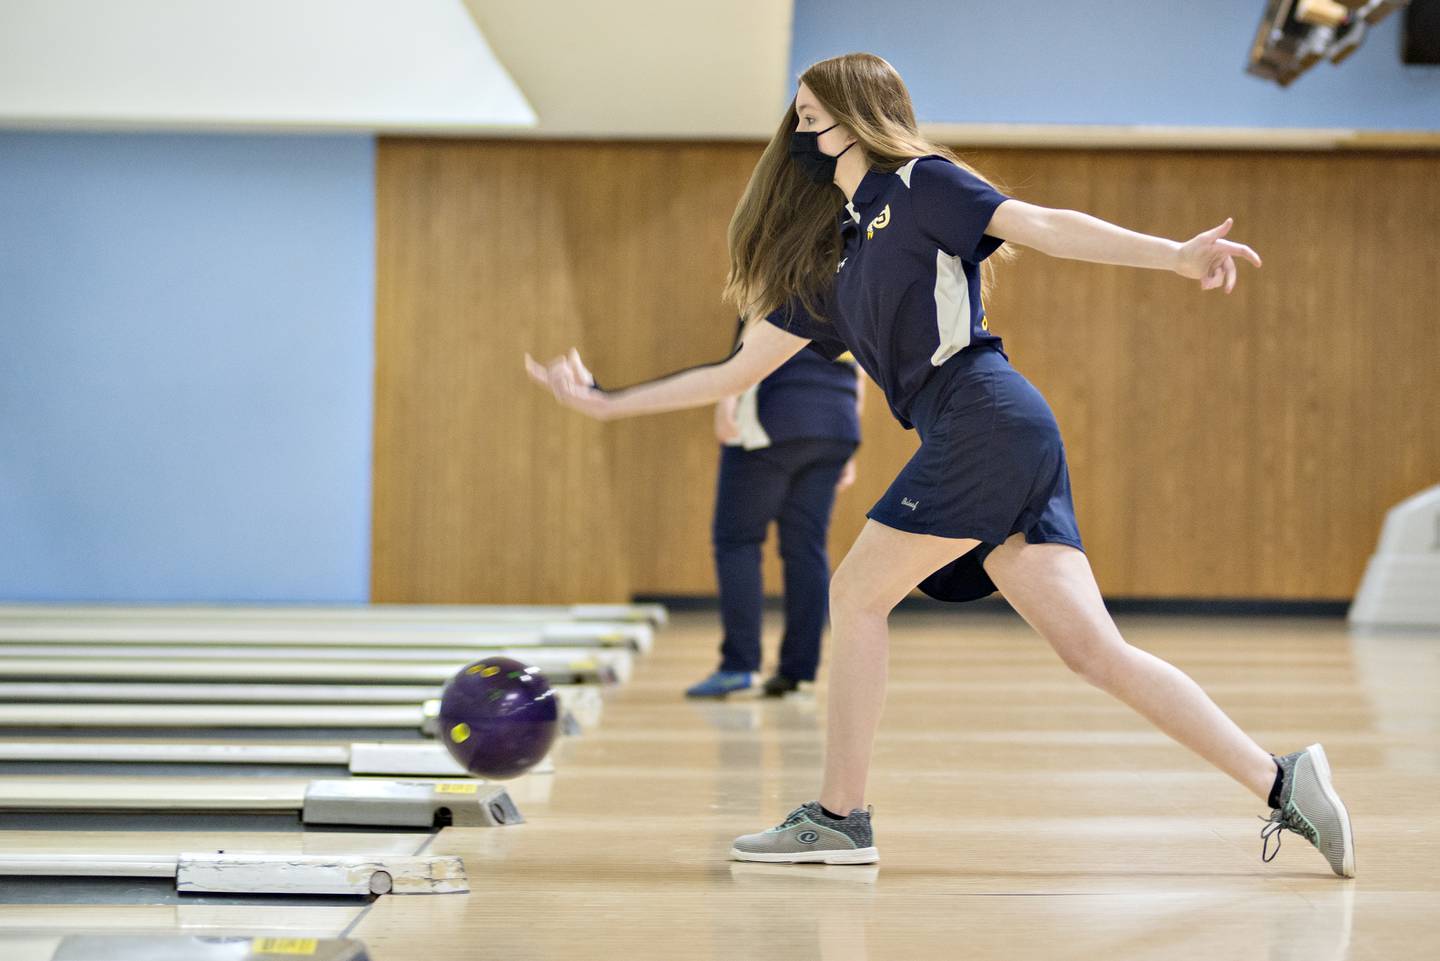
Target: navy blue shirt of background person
[
  {"x": 806, "y": 398},
  {"x": 906, "y": 296}
]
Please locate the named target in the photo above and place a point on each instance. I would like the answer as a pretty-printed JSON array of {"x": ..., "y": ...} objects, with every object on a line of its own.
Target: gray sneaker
[
  {"x": 807, "y": 835},
  {"x": 1310, "y": 808}
]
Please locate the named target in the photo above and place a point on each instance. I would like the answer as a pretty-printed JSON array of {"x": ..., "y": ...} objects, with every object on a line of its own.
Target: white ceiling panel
[{"x": 348, "y": 64}]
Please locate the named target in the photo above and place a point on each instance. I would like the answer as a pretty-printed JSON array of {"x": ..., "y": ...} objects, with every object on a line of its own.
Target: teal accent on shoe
[{"x": 722, "y": 683}]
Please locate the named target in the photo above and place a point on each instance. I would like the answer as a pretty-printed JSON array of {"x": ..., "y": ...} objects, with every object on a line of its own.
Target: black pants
[{"x": 792, "y": 483}]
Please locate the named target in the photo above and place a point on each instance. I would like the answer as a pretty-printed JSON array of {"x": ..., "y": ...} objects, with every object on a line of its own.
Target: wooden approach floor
[{"x": 1019, "y": 814}]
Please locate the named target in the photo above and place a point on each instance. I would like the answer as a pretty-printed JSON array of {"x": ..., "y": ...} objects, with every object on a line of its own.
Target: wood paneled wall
[{"x": 1238, "y": 447}]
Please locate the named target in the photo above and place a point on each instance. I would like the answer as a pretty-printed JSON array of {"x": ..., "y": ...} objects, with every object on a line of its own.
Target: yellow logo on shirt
[{"x": 879, "y": 223}]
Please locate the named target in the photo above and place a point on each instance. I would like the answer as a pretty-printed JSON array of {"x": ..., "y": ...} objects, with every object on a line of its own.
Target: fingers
[
  {"x": 1221, "y": 273},
  {"x": 1220, "y": 270},
  {"x": 560, "y": 376},
  {"x": 577, "y": 368},
  {"x": 1240, "y": 250},
  {"x": 570, "y": 383},
  {"x": 1214, "y": 275},
  {"x": 566, "y": 382},
  {"x": 537, "y": 371},
  {"x": 535, "y": 367},
  {"x": 1215, "y": 233}
]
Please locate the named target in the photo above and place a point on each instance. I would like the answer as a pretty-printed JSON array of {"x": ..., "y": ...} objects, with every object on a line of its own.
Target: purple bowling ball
[{"x": 498, "y": 717}]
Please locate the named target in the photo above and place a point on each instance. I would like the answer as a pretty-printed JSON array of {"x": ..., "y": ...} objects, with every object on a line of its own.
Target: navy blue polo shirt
[
  {"x": 809, "y": 397},
  {"x": 906, "y": 296}
]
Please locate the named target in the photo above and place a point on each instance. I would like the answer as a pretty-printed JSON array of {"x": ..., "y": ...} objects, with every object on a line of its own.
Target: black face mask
[{"x": 813, "y": 162}]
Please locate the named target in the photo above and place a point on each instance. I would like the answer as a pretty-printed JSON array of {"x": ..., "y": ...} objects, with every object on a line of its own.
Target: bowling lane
[
  {"x": 36, "y": 921},
  {"x": 655, "y": 614}
]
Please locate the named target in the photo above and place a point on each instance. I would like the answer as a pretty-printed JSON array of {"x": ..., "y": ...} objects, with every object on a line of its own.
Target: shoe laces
[
  {"x": 802, "y": 813},
  {"x": 1280, "y": 820}
]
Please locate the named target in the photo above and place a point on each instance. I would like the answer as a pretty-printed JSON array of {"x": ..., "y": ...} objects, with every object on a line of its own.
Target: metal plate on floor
[
  {"x": 422, "y": 804},
  {"x": 223, "y": 872}
]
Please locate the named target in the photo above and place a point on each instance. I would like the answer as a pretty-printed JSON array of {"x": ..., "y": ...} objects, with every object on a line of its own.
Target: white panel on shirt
[
  {"x": 952, "y": 307},
  {"x": 952, "y": 295}
]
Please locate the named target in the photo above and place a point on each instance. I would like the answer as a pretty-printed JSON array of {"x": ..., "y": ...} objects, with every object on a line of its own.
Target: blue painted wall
[
  {"x": 1170, "y": 62},
  {"x": 186, "y": 366}
]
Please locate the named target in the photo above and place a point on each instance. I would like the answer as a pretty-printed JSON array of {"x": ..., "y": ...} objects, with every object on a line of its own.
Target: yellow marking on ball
[{"x": 460, "y": 733}]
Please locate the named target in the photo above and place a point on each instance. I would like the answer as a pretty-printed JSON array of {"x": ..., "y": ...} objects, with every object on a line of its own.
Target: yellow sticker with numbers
[
  {"x": 456, "y": 787},
  {"x": 284, "y": 945}
]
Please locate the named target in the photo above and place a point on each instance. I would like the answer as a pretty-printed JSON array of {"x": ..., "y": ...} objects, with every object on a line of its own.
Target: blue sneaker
[{"x": 722, "y": 683}]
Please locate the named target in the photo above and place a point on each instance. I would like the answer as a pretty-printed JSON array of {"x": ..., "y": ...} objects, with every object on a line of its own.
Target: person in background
[{"x": 789, "y": 445}]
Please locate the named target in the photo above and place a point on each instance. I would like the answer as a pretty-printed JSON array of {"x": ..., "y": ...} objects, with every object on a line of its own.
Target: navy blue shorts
[{"x": 990, "y": 465}]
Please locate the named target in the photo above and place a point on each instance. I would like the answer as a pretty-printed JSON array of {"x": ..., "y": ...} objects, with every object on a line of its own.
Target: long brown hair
[{"x": 784, "y": 237}]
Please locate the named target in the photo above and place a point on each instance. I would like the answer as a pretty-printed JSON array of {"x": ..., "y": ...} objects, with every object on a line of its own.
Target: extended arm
[
  {"x": 764, "y": 348},
  {"x": 1207, "y": 257}
]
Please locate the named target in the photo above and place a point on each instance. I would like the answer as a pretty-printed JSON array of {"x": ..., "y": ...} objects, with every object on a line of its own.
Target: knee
[
  {"x": 800, "y": 536},
  {"x": 798, "y": 550},
  {"x": 728, "y": 539},
  {"x": 852, "y": 597},
  {"x": 1095, "y": 660}
]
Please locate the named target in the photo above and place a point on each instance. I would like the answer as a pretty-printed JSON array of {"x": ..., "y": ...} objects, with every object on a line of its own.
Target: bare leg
[
  {"x": 1052, "y": 587},
  {"x": 883, "y": 566}
]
